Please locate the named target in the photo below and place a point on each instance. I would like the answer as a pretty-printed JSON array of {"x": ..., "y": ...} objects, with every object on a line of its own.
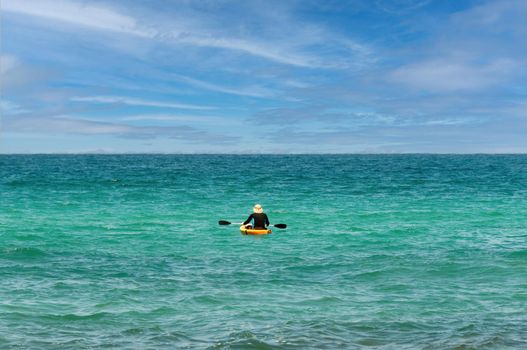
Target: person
[{"x": 259, "y": 219}]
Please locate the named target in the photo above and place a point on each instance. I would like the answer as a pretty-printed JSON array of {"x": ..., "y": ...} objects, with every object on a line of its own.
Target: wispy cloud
[
  {"x": 252, "y": 91},
  {"x": 327, "y": 118},
  {"x": 190, "y": 119},
  {"x": 400, "y": 7},
  {"x": 77, "y": 13},
  {"x": 7, "y": 63},
  {"x": 494, "y": 16},
  {"x": 468, "y": 52},
  {"x": 434, "y": 138},
  {"x": 258, "y": 49},
  {"x": 16, "y": 74},
  {"x": 451, "y": 74},
  {"x": 319, "y": 76},
  {"x": 68, "y": 125},
  {"x": 10, "y": 108},
  {"x": 137, "y": 102},
  {"x": 198, "y": 32}
]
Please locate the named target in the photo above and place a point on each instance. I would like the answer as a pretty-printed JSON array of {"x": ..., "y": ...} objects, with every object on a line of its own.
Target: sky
[{"x": 306, "y": 76}]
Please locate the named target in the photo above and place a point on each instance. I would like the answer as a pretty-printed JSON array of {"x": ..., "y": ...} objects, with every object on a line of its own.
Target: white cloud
[
  {"x": 450, "y": 74},
  {"x": 64, "y": 125},
  {"x": 15, "y": 73},
  {"x": 101, "y": 18},
  {"x": 137, "y": 102},
  {"x": 68, "y": 125},
  {"x": 7, "y": 63},
  {"x": 76, "y": 13},
  {"x": 400, "y": 7},
  {"x": 8, "y": 107},
  {"x": 452, "y": 121},
  {"x": 191, "y": 119},
  {"x": 252, "y": 91},
  {"x": 199, "y": 32},
  {"x": 254, "y": 48},
  {"x": 480, "y": 48},
  {"x": 494, "y": 13}
]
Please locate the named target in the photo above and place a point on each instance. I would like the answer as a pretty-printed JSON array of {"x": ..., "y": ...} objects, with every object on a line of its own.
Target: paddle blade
[
  {"x": 223, "y": 222},
  {"x": 280, "y": 225}
]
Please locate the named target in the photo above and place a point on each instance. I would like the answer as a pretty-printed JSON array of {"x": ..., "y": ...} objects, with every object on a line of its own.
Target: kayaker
[{"x": 258, "y": 217}]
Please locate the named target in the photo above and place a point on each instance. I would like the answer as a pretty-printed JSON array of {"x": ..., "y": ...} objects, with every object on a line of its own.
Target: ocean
[{"x": 380, "y": 252}]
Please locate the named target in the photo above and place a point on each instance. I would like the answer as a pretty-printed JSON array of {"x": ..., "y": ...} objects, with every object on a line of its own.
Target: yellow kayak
[{"x": 251, "y": 231}]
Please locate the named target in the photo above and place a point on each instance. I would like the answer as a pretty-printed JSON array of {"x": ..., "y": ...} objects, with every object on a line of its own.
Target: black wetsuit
[{"x": 260, "y": 220}]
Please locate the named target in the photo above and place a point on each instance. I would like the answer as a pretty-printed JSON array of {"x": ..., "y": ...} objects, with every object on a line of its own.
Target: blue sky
[{"x": 358, "y": 76}]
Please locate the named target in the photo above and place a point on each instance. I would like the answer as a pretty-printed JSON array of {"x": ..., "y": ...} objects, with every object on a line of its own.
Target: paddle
[
  {"x": 279, "y": 225},
  {"x": 223, "y": 222}
]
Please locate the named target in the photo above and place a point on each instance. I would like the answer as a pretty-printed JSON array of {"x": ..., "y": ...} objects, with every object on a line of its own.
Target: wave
[{"x": 22, "y": 253}]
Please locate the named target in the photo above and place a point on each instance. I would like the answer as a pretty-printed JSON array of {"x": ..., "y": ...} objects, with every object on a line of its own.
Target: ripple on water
[
  {"x": 22, "y": 253},
  {"x": 381, "y": 252}
]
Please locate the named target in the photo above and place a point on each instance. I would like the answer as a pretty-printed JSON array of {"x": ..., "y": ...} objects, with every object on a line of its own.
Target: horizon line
[{"x": 256, "y": 154}]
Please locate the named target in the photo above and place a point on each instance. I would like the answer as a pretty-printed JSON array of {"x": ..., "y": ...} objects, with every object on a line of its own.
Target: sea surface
[{"x": 380, "y": 252}]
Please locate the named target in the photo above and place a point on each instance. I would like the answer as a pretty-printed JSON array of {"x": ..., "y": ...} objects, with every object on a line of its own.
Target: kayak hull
[{"x": 250, "y": 231}]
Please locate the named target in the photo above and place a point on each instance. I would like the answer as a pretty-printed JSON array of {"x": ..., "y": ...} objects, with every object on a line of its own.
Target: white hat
[{"x": 257, "y": 208}]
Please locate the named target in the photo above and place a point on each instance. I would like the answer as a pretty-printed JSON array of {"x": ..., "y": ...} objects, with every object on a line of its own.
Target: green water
[{"x": 381, "y": 252}]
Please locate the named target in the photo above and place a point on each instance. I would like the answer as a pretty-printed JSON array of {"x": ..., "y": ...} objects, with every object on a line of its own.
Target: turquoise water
[{"x": 381, "y": 252}]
